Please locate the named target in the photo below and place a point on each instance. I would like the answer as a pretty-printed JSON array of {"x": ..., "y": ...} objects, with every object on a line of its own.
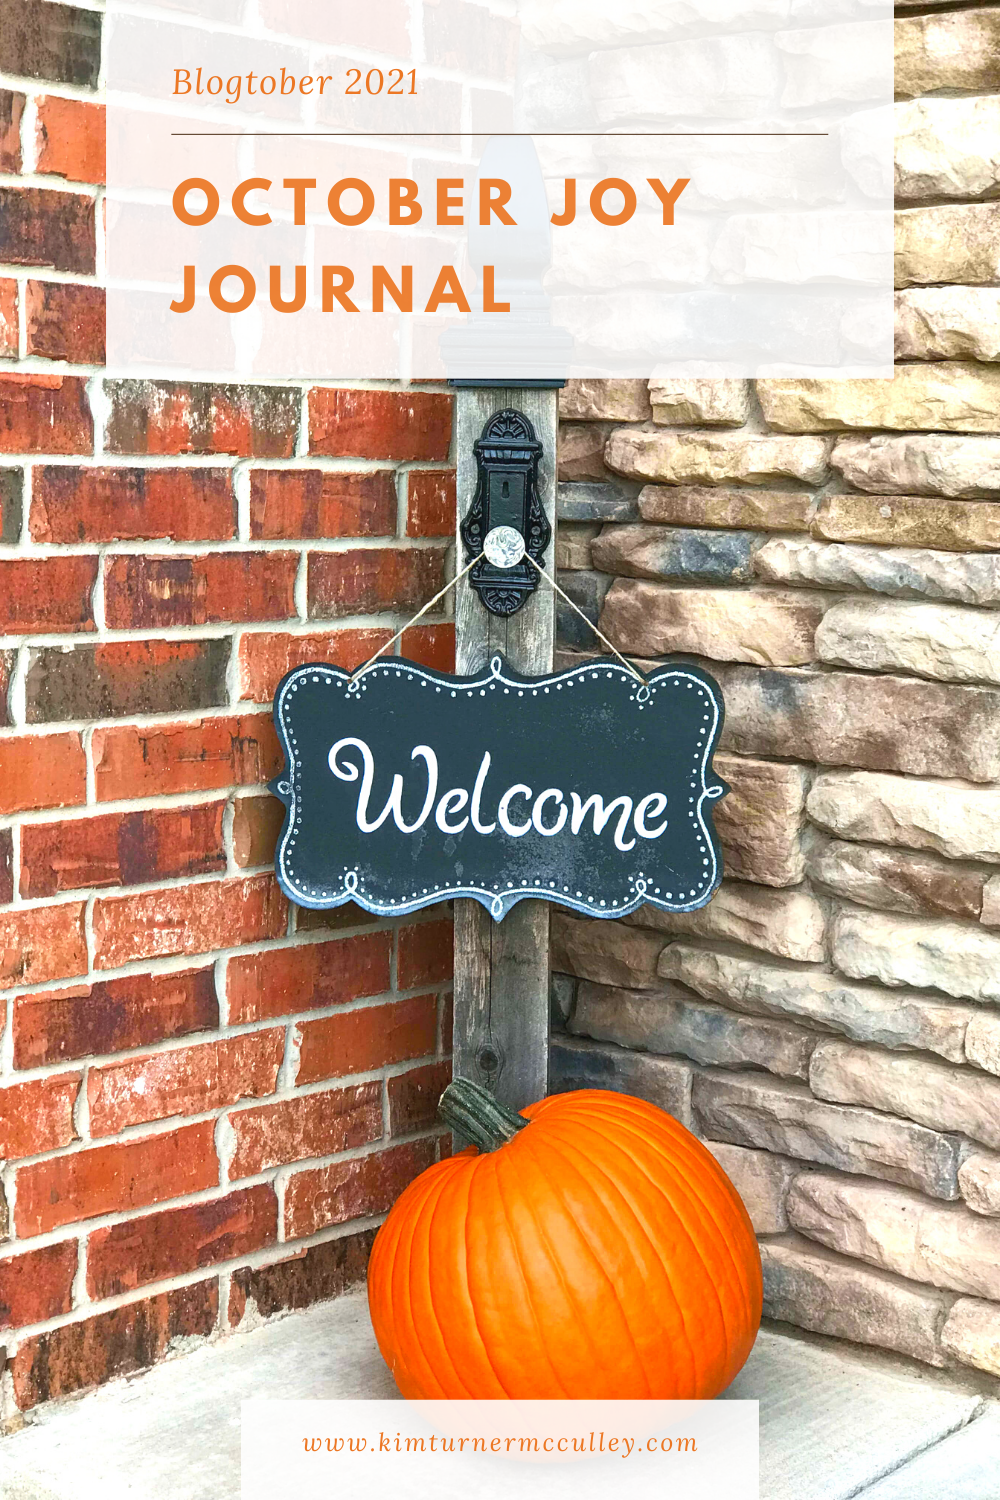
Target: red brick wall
[{"x": 207, "y": 1098}]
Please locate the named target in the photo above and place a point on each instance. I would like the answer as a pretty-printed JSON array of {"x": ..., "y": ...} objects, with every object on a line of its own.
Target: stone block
[
  {"x": 813, "y": 1289},
  {"x": 789, "y": 924},
  {"x": 899, "y": 1231},
  {"x": 764, "y": 626},
  {"x": 720, "y": 458},
  {"x": 896, "y": 880},
  {"x": 947, "y": 148},
  {"x": 948, "y": 243},
  {"x": 761, "y": 1179},
  {"x": 562, "y": 999},
  {"x": 948, "y": 322},
  {"x": 590, "y": 257},
  {"x": 958, "y": 49},
  {"x": 982, "y": 1041},
  {"x": 860, "y": 141},
  {"x": 700, "y": 403},
  {"x": 959, "y": 959},
  {"x": 708, "y": 76},
  {"x": 759, "y": 823},
  {"x": 931, "y": 464},
  {"x": 905, "y": 572},
  {"x": 910, "y": 521},
  {"x": 949, "y": 397},
  {"x": 942, "y": 641},
  {"x": 917, "y": 1088},
  {"x": 747, "y": 1109},
  {"x": 597, "y": 503},
  {"x": 581, "y": 450},
  {"x": 846, "y": 245},
  {"x": 825, "y": 63},
  {"x": 573, "y": 541},
  {"x": 672, "y": 1020},
  {"x": 604, "y": 401},
  {"x": 959, "y": 822},
  {"x": 990, "y": 915},
  {"x": 979, "y": 1183},
  {"x": 694, "y": 505},
  {"x": 864, "y": 1012},
  {"x": 664, "y": 1081},
  {"x": 572, "y": 26},
  {"x": 845, "y": 718},
  {"x": 672, "y": 552},
  {"x": 971, "y": 1333},
  {"x": 607, "y": 952},
  {"x": 587, "y": 591}
]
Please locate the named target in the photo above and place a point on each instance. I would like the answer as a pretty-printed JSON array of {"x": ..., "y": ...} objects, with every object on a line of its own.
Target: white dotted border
[{"x": 499, "y": 899}]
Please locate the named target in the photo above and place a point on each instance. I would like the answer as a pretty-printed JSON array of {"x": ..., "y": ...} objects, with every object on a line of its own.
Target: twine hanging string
[
  {"x": 360, "y": 671},
  {"x": 586, "y": 619}
]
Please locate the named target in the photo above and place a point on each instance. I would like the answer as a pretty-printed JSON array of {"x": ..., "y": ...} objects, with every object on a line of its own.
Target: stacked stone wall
[{"x": 830, "y": 551}]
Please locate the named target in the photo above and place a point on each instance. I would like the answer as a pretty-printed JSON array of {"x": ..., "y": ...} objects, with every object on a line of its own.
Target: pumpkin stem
[{"x": 473, "y": 1112}]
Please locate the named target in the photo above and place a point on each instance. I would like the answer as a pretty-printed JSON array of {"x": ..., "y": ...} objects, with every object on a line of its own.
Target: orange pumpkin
[{"x": 592, "y": 1248}]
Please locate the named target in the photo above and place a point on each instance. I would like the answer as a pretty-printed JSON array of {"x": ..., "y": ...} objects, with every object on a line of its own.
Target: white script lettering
[
  {"x": 550, "y": 803},
  {"x": 503, "y": 815},
  {"x": 601, "y": 816},
  {"x": 349, "y": 772}
]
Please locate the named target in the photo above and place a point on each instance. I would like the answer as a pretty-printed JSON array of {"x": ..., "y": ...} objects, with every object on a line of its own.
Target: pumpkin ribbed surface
[{"x": 600, "y": 1253}]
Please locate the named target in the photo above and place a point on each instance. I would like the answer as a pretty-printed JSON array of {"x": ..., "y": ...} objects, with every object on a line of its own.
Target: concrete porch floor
[{"x": 835, "y": 1422}]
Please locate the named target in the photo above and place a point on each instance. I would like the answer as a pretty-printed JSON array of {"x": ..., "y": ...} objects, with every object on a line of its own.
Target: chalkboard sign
[{"x": 590, "y": 787}]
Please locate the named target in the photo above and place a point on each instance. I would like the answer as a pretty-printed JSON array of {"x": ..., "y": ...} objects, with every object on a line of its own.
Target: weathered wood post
[
  {"x": 502, "y": 968},
  {"x": 513, "y": 359}
]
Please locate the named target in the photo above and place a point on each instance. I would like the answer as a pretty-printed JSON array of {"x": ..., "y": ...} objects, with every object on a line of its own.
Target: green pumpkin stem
[{"x": 472, "y": 1111}]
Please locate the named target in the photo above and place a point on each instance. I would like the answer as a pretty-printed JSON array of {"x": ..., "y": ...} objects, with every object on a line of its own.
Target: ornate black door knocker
[{"x": 506, "y": 495}]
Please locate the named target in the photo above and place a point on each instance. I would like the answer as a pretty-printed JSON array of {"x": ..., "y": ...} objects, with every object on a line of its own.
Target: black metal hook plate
[{"x": 507, "y": 456}]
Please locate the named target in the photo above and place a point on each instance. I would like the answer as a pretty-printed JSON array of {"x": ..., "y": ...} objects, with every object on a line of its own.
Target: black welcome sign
[{"x": 592, "y": 787}]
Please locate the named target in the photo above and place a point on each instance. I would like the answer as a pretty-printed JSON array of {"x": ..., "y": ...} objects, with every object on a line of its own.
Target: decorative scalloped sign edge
[{"x": 500, "y": 897}]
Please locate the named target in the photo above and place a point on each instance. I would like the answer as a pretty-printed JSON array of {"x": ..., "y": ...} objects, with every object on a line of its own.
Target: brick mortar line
[
  {"x": 107, "y": 551},
  {"x": 81, "y": 1108},
  {"x": 100, "y": 234},
  {"x": 227, "y": 462},
  {"x": 163, "y": 883},
  {"x": 153, "y": 802},
  {"x": 205, "y": 1037},
  {"x": 148, "y": 1129},
  {"x": 254, "y": 1260},
  {"x": 402, "y": 481},
  {"x": 175, "y": 962},
  {"x": 233, "y": 869},
  {"x": 21, "y": 83},
  {"x": 79, "y": 1295},
  {"x": 90, "y": 788},
  {"x": 85, "y": 1227},
  {"x": 184, "y": 718},
  {"x": 187, "y": 375},
  {"x": 242, "y": 486},
  {"x": 51, "y": 181},
  {"x": 7, "y": 1041},
  {"x": 21, "y": 306},
  {"x": 223, "y": 630}
]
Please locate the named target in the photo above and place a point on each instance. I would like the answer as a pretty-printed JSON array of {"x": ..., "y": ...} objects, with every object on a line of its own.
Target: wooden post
[{"x": 502, "y": 968}]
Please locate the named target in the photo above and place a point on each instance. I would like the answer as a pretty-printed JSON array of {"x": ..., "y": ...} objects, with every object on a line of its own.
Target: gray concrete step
[
  {"x": 965, "y": 1466},
  {"x": 832, "y": 1422}
]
